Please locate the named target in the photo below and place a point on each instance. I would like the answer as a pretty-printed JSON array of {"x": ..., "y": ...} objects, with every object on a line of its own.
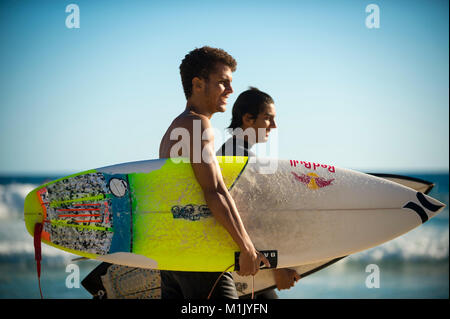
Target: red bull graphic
[
  {"x": 313, "y": 166},
  {"x": 313, "y": 181}
]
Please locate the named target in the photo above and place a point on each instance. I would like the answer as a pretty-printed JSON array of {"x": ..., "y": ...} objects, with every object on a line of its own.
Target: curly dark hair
[{"x": 200, "y": 62}]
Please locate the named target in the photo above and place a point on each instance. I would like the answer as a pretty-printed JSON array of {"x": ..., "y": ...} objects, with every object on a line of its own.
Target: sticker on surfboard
[{"x": 118, "y": 187}]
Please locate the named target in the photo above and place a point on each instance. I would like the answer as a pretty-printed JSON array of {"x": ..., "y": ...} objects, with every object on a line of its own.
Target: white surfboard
[
  {"x": 319, "y": 212},
  {"x": 265, "y": 279}
]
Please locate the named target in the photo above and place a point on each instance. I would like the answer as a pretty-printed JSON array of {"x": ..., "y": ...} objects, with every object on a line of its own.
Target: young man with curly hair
[{"x": 206, "y": 75}]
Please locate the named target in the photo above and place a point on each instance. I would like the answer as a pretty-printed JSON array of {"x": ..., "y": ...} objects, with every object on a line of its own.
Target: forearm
[{"x": 223, "y": 209}]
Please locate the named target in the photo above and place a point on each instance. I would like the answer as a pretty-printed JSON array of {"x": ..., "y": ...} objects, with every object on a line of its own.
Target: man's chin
[{"x": 222, "y": 108}]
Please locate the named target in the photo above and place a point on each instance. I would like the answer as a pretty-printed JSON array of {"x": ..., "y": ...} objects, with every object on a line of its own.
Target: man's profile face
[
  {"x": 217, "y": 88},
  {"x": 264, "y": 123}
]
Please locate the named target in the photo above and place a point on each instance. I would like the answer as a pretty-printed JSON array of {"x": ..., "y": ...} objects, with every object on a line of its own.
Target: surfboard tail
[
  {"x": 432, "y": 205},
  {"x": 425, "y": 206}
]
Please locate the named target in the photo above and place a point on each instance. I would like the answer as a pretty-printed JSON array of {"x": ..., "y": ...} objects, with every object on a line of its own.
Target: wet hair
[
  {"x": 200, "y": 62},
  {"x": 253, "y": 102}
]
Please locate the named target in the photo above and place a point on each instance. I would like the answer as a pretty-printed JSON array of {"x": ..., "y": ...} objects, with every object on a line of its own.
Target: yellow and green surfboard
[{"x": 149, "y": 213}]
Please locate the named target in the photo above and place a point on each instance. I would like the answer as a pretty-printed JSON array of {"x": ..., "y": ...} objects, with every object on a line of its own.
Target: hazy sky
[{"x": 364, "y": 98}]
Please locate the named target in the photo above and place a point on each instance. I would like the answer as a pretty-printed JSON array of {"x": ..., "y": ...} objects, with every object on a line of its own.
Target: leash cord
[{"x": 215, "y": 284}]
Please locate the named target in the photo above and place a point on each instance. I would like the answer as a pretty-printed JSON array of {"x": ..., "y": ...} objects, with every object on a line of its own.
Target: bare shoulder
[
  {"x": 187, "y": 124},
  {"x": 188, "y": 120}
]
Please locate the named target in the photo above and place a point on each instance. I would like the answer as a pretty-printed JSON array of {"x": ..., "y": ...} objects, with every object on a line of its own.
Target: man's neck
[
  {"x": 196, "y": 106},
  {"x": 244, "y": 138}
]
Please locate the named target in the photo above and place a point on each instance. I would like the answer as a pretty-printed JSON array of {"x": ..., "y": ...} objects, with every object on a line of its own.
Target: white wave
[
  {"x": 17, "y": 243},
  {"x": 25, "y": 249},
  {"x": 12, "y": 198},
  {"x": 423, "y": 243}
]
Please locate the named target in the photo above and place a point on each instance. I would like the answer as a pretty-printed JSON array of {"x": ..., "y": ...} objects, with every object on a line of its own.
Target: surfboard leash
[
  {"x": 217, "y": 280},
  {"x": 37, "y": 252},
  {"x": 215, "y": 284},
  {"x": 253, "y": 287}
]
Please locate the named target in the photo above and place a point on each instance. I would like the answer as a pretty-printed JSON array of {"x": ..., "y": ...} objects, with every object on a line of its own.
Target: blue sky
[{"x": 347, "y": 95}]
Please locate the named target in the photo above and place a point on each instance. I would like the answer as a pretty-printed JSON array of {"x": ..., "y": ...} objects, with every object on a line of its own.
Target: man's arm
[{"x": 220, "y": 202}]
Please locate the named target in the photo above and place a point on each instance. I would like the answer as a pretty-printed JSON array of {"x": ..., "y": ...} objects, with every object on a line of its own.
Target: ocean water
[{"x": 415, "y": 265}]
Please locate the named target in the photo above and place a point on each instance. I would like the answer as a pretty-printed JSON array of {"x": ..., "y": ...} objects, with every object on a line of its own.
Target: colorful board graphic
[{"x": 91, "y": 213}]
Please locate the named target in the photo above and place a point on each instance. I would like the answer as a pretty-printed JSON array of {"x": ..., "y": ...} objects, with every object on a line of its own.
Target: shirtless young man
[{"x": 206, "y": 74}]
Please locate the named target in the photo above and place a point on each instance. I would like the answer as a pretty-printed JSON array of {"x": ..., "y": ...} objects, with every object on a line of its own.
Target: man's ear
[
  {"x": 197, "y": 83},
  {"x": 247, "y": 120}
]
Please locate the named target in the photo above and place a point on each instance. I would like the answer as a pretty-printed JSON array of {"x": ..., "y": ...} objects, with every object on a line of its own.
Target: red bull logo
[
  {"x": 313, "y": 181},
  {"x": 313, "y": 166}
]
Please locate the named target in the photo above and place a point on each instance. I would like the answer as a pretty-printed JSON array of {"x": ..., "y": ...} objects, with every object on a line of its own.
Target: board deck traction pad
[{"x": 91, "y": 213}]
